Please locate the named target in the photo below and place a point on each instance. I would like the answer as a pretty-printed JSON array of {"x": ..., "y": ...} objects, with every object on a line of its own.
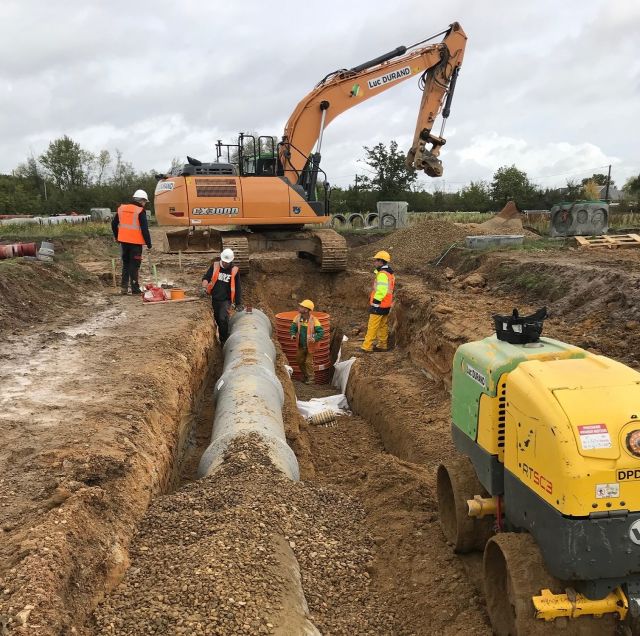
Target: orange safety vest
[
  {"x": 214, "y": 278},
  {"x": 387, "y": 301},
  {"x": 129, "y": 224},
  {"x": 311, "y": 326}
]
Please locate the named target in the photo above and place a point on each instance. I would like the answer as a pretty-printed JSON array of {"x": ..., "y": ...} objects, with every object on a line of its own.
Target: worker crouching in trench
[
  {"x": 306, "y": 328},
  {"x": 222, "y": 283}
]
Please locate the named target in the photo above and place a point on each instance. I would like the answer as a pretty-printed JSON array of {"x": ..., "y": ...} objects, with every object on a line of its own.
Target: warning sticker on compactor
[
  {"x": 607, "y": 491},
  {"x": 594, "y": 436}
]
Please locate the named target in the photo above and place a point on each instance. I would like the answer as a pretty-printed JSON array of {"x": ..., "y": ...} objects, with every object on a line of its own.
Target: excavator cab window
[{"x": 257, "y": 156}]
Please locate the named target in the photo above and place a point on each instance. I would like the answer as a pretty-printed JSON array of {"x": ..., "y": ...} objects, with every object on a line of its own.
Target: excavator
[{"x": 263, "y": 195}]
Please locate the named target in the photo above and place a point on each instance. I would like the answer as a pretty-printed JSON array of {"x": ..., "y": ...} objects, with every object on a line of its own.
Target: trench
[
  {"x": 361, "y": 524},
  {"x": 359, "y": 534}
]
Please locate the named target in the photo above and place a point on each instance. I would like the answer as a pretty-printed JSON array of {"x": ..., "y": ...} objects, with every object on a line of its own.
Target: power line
[{"x": 561, "y": 174}]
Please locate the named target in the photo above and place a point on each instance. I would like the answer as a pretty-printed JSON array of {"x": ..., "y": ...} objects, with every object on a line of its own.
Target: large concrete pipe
[{"x": 249, "y": 396}]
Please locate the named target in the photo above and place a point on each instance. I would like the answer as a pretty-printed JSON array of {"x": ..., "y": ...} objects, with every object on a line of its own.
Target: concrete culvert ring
[
  {"x": 456, "y": 483},
  {"x": 372, "y": 218},
  {"x": 338, "y": 221},
  {"x": 582, "y": 216},
  {"x": 388, "y": 221},
  {"x": 356, "y": 221}
]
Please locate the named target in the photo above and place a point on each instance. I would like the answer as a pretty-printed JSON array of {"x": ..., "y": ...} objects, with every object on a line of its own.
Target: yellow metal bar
[
  {"x": 550, "y": 606},
  {"x": 482, "y": 506}
]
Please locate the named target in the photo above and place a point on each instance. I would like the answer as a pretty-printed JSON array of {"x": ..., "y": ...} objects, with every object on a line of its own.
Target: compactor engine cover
[{"x": 555, "y": 431}]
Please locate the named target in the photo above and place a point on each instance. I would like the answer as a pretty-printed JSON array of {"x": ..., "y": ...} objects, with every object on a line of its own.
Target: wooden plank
[
  {"x": 609, "y": 240},
  {"x": 173, "y": 302}
]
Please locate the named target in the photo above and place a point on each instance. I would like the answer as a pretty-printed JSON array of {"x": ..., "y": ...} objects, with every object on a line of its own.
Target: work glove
[
  {"x": 233, "y": 307},
  {"x": 203, "y": 292},
  {"x": 239, "y": 308},
  {"x": 293, "y": 336},
  {"x": 376, "y": 304}
]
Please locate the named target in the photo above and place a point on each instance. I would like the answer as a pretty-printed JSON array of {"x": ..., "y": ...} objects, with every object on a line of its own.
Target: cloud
[
  {"x": 548, "y": 164},
  {"x": 549, "y": 86}
]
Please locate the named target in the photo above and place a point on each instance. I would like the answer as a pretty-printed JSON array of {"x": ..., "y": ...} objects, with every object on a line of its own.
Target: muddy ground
[{"x": 105, "y": 405}]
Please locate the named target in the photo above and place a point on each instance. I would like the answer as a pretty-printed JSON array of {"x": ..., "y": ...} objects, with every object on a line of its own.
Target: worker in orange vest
[
  {"x": 306, "y": 328},
  {"x": 222, "y": 283},
  {"x": 380, "y": 303},
  {"x": 131, "y": 229}
]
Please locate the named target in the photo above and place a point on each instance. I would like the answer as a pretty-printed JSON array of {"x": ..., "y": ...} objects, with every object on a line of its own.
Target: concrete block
[{"x": 493, "y": 240}]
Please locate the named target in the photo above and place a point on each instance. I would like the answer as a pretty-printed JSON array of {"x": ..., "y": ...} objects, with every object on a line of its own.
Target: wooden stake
[{"x": 113, "y": 272}]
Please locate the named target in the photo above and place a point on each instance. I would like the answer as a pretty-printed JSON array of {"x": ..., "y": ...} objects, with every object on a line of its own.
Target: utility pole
[
  {"x": 356, "y": 186},
  {"x": 606, "y": 194}
]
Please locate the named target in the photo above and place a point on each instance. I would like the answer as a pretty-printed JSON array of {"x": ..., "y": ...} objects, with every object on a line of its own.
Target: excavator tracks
[
  {"x": 240, "y": 246},
  {"x": 333, "y": 250}
]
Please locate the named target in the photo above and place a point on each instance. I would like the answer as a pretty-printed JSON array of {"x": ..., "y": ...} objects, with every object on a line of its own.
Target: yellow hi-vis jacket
[{"x": 381, "y": 298}]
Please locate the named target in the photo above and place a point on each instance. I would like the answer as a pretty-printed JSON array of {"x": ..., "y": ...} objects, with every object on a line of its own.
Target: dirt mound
[
  {"x": 413, "y": 246},
  {"x": 228, "y": 580},
  {"x": 32, "y": 291},
  {"x": 507, "y": 221}
]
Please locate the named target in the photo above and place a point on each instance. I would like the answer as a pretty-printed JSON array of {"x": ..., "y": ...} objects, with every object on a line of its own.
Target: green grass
[
  {"x": 538, "y": 284},
  {"x": 59, "y": 231},
  {"x": 624, "y": 220},
  {"x": 452, "y": 217}
]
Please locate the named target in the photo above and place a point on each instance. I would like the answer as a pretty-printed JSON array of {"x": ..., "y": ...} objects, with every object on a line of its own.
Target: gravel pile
[
  {"x": 205, "y": 559},
  {"x": 413, "y": 246}
]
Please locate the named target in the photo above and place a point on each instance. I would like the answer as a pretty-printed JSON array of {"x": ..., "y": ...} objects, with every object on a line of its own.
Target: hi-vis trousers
[{"x": 377, "y": 329}]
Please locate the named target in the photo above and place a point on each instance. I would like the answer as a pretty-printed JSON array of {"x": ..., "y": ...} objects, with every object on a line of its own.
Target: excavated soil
[{"x": 103, "y": 419}]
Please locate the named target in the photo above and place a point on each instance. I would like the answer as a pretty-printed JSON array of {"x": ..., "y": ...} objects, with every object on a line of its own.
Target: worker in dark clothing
[
  {"x": 222, "y": 283},
  {"x": 131, "y": 229}
]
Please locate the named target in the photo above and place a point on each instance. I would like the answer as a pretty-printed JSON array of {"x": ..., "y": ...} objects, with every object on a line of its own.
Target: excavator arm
[{"x": 436, "y": 65}]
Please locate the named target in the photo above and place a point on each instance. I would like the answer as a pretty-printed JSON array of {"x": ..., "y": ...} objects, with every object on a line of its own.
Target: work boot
[
  {"x": 124, "y": 291},
  {"x": 377, "y": 348},
  {"x": 135, "y": 289}
]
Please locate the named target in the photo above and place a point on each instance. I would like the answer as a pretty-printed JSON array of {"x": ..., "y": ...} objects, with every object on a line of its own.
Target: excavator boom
[{"x": 437, "y": 65}]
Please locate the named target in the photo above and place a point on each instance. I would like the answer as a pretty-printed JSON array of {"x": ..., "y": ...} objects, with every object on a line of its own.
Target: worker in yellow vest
[
  {"x": 131, "y": 229},
  {"x": 306, "y": 328},
  {"x": 380, "y": 303},
  {"x": 222, "y": 282}
]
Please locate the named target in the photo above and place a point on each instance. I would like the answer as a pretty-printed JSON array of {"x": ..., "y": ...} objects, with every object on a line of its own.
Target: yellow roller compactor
[{"x": 547, "y": 481}]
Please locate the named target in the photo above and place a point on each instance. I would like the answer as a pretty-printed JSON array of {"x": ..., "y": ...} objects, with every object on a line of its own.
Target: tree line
[
  {"x": 67, "y": 177},
  {"x": 388, "y": 178}
]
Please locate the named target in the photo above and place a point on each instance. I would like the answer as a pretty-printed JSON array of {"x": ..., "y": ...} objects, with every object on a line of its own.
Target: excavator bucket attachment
[
  {"x": 432, "y": 165},
  {"x": 191, "y": 240}
]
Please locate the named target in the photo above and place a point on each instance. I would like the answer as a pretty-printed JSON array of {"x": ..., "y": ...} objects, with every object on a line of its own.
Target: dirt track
[{"x": 103, "y": 410}]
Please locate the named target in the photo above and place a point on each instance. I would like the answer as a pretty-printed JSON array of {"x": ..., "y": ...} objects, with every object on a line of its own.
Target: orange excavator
[{"x": 263, "y": 195}]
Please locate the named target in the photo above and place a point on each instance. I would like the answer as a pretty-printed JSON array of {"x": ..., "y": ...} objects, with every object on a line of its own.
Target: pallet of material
[{"x": 609, "y": 240}]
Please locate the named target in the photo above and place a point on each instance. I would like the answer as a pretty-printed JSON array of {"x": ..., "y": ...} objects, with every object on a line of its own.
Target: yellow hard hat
[
  {"x": 383, "y": 256},
  {"x": 308, "y": 304}
]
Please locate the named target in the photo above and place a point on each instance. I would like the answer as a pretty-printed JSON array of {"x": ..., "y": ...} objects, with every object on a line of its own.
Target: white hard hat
[
  {"x": 226, "y": 256},
  {"x": 140, "y": 194}
]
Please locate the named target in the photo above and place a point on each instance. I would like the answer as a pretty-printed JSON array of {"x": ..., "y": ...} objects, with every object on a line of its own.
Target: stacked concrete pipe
[{"x": 249, "y": 396}]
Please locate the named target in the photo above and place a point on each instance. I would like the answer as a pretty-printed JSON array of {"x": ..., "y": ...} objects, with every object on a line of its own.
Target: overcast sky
[{"x": 553, "y": 87}]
